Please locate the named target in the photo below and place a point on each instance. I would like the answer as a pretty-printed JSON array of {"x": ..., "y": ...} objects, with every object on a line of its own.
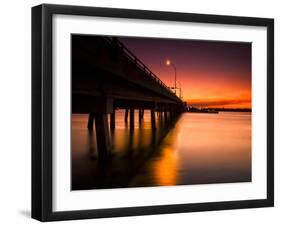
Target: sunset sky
[{"x": 212, "y": 74}]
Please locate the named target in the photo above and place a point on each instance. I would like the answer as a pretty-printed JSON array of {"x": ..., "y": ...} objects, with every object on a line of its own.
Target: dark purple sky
[{"x": 211, "y": 73}]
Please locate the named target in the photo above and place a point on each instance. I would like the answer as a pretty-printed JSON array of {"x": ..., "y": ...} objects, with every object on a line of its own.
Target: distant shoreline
[
  {"x": 216, "y": 110},
  {"x": 232, "y": 109}
]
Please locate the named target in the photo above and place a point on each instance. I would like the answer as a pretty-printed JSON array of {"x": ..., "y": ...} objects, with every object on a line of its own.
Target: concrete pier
[
  {"x": 132, "y": 118},
  {"x": 126, "y": 115},
  {"x": 112, "y": 120},
  {"x": 91, "y": 122},
  {"x": 102, "y": 134},
  {"x": 153, "y": 121}
]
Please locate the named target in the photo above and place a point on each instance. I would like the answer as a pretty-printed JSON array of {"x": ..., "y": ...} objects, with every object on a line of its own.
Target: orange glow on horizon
[
  {"x": 211, "y": 74},
  {"x": 216, "y": 93},
  {"x": 220, "y": 103},
  {"x": 166, "y": 167},
  {"x": 211, "y": 91}
]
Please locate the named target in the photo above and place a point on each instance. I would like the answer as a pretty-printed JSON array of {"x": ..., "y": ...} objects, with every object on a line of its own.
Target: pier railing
[{"x": 134, "y": 59}]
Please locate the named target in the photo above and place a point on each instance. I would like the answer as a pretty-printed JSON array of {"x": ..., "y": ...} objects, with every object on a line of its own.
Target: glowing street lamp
[{"x": 169, "y": 63}]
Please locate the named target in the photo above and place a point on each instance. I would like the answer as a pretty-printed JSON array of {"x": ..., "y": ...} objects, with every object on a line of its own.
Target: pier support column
[
  {"x": 153, "y": 121},
  {"x": 140, "y": 116},
  {"x": 158, "y": 114},
  {"x": 102, "y": 134},
  {"x": 126, "y": 115},
  {"x": 112, "y": 120},
  {"x": 161, "y": 115},
  {"x": 91, "y": 122},
  {"x": 132, "y": 118},
  {"x": 165, "y": 115},
  {"x": 171, "y": 114}
]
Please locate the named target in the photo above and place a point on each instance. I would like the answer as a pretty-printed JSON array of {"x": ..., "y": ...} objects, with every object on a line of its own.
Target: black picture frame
[{"x": 42, "y": 111}]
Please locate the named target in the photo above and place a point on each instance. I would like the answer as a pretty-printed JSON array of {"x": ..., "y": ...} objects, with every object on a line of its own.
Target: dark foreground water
[{"x": 193, "y": 149}]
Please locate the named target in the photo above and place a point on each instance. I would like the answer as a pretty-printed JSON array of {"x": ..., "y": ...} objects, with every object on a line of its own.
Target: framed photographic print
[{"x": 147, "y": 112}]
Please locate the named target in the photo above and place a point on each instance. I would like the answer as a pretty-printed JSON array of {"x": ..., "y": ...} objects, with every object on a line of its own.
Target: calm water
[{"x": 193, "y": 149}]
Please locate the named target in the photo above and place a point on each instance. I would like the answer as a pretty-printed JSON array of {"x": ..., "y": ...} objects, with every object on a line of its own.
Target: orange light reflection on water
[
  {"x": 165, "y": 170},
  {"x": 198, "y": 149}
]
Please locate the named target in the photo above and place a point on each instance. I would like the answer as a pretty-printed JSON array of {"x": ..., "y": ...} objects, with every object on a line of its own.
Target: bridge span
[{"x": 107, "y": 76}]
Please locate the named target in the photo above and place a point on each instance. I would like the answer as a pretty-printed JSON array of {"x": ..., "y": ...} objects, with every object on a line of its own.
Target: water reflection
[{"x": 193, "y": 149}]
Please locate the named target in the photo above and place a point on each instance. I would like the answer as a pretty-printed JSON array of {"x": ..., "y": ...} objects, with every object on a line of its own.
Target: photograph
[
  {"x": 149, "y": 111},
  {"x": 141, "y": 112}
]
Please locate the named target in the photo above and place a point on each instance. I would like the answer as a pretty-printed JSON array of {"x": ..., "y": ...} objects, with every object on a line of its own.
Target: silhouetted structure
[{"x": 107, "y": 76}]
